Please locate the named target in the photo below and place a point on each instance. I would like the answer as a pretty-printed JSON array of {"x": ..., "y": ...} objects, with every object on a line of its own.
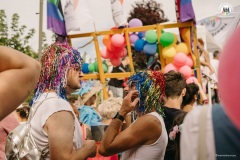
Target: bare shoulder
[{"x": 62, "y": 120}]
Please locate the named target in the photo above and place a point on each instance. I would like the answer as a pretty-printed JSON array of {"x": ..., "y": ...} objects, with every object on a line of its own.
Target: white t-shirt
[
  {"x": 44, "y": 111},
  {"x": 190, "y": 133},
  {"x": 153, "y": 151}
]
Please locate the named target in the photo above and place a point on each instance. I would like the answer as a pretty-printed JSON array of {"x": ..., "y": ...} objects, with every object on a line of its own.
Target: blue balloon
[
  {"x": 85, "y": 68},
  {"x": 139, "y": 44},
  {"x": 150, "y": 49},
  {"x": 141, "y": 34}
]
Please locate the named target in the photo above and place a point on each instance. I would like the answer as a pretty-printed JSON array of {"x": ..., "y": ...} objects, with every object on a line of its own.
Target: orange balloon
[
  {"x": 121, "y": 1},
  {"x": 106, "y": 40}
]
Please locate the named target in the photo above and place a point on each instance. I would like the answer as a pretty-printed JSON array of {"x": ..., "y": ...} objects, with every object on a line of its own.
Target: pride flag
[
  {"x": 184, "y": 10},
  {"x": 55, "y": 18}
]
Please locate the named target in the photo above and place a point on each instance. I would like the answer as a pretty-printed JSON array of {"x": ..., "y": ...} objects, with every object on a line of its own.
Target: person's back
[
  {"x": 174, "y": 92},
  {"x": 155, "y": 150}
]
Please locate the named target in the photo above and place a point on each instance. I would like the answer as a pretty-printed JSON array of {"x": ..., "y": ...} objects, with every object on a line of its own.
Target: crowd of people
[{"x": 157, "y": 118}]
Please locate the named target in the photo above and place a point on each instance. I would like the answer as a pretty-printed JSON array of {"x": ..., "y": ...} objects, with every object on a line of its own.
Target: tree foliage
[
  {"x": 149, "y": 12},
  {"x": 16, "y": 36}
]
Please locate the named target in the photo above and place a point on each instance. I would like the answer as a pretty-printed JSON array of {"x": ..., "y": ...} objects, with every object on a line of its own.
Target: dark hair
[
  {"x": 178, "y": 120},
  {"x": 23, "y": 112},
  {"x": 175, "y": 83},
  {"x": 191, "y": 90},
  {"x": 215, "y": 54},
  {"x": 201, "y": 41}
]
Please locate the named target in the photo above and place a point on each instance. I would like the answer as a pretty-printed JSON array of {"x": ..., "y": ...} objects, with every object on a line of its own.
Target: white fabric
[
  {"x": 42, "y": 114},
  {"x": 117, "y": 13},
  {"x": 153, "y": 151},
  {"x": 214, "y": 76},
  {"x": 190, "y": 133}
]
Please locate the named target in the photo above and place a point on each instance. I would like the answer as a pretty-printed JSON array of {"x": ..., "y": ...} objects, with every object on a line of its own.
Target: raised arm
[
  {"x": 60, "y": 135},
  {"x": 19, "y": 74}
]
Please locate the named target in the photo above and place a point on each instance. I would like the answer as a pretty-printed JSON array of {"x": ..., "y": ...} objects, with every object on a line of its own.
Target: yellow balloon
[
  {"x": 169, "y": 60},
  {"x": 182, "y": 47},
  {"x": 169, "y": 52},
  {"x": 175, "y": 38}
]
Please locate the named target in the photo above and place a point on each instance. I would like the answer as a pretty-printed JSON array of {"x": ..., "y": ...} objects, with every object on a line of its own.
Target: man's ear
[{"x": 184, "y": 92}]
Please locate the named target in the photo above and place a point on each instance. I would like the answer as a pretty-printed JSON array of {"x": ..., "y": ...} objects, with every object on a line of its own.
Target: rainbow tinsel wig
[{"x": 56, "y": 60}]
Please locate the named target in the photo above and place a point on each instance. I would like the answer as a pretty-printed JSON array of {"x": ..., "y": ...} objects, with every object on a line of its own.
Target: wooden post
[{"x": 100, "y": 67}]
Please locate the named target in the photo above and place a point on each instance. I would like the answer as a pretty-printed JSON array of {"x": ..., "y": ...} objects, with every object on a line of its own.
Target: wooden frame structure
[{"x": 158, "y": 27}]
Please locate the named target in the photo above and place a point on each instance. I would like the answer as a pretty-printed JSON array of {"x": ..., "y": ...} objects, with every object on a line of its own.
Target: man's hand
[
  {"x": 129, "y": 102},
  {"x": 91, "y": 146}
]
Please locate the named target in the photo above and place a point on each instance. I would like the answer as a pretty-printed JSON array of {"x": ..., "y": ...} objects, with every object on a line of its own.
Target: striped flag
[
  {"x": 184, "y": 10},
  {"x": 55, "y": 18}
]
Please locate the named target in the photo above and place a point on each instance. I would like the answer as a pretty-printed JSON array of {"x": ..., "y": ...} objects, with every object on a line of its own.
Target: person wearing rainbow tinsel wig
[
  {"x": 146, "y": 137},
  {"x": 55, "y": 128}
]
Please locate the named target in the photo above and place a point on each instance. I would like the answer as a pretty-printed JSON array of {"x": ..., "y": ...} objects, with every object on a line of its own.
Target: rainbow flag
[
  {"x": 55, "y": 18},
  {"x": 184, "y": 10}
]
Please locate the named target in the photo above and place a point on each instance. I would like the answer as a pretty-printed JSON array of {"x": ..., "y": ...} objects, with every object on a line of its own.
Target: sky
[{"x": 101, "y": 13}]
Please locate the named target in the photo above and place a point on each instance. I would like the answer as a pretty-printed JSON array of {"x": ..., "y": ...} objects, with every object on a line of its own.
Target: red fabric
[{"x": 6, "y": 126}]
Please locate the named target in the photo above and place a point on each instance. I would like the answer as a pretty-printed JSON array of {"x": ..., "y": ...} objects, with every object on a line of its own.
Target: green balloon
[
  {"x": 95, "y": 66},
  {"x": 91, "y": 67},
  {"x": 151, "y": 36},
  {"x": 105, "y": 67},
  {"x": 166, "y": 39}
]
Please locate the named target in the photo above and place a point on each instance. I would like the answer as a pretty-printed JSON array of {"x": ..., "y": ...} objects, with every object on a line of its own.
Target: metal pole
[{"x": 40, "y": 30}]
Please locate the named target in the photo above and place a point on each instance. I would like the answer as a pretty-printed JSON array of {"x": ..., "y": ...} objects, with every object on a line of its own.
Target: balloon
[
  {"x": 133, "y": 38},
  {"x": 106, "y": 40},
  {"x": 169, "y": 60},
  {"x": 229, "y": 77},
  {"x": 169, "y": 52},
  {"x": 139, "y": 44},
  {"x": 141, "y": 34},
  {"x": 91, "y": 67},
  {"x": 192, "y": 80},
  {"x": 180, "y": 59},
  {"x": 115, "y": 61},
  {"x": 105, "y": 54},
  {"x": 85, "y": 68},
  {"x": 182, "y": 47},
  {"x": 121, "y": 1},
  {"x": 151, "y": 36},
  {"x": 95, "y": 66},
  {"x": 170, "y": 67},
  {"x": 135, "y": 22},
  {"x": 166, "y": 39},
  {"x": 123, "y": 53},
  {"x": 189, "y": 61},
  {"x": 105, "y": 67},
  {"x": 117, "y": 40},
  {"x": 186, "y": 71},
  {"x": 112, "y": 48},
  {"x": 150, "y": 49}
]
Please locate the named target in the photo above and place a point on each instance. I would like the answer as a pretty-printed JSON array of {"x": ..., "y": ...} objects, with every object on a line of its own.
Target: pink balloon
[
  {"x": 180, "y": 59},
  {"x": 170, "y": 67},
  {"x": 192, "y": 80},
  {"x": 104, "y": 53},
  {"x": 186, "y": 71},
  {"x": 115, "y": 61},
  {"x": 229, "y": 86},
  {"x": 118, "y": 40},
  {"x": 189, "y": 61},
  {"x": 133, "y": 38}
]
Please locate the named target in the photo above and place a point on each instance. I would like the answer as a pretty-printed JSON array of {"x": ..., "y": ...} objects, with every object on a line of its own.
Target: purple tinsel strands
[{"x": 57, "y": 59}]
